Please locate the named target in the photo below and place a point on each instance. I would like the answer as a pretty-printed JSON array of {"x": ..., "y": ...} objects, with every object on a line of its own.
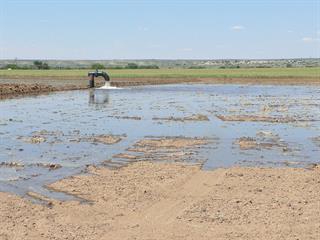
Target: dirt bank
[
  {"x": 35, "y": 85},
  {"x": 173, "y": 201},
  {"x": 13, "y": 90}
]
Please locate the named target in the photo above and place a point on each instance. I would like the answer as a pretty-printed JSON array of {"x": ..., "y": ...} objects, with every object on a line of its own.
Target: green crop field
[{"x": 170, "y": 73}]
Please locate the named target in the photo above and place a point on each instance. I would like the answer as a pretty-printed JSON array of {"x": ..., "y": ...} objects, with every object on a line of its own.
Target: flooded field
[{"x": 49, "y": 137}]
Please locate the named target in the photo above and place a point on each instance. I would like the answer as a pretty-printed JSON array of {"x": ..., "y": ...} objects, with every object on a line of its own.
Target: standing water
[{"x": 253, "y": 125}]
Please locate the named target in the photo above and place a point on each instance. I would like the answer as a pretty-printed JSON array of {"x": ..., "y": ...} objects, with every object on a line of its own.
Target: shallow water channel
[{"x": 135, "y": 113}]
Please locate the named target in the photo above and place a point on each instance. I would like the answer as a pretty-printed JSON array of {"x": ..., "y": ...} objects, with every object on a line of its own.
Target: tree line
[{"x": 45, "y": 66}]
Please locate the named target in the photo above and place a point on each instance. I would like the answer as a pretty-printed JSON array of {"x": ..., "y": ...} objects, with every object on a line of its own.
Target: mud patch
[
  {"x": 126, "y": 117},
  {"x": 15, "y": 165},
  {"x": 33, "y": 139},
  {"x": 263, "y": 140},
  {"x": 20, "y": 166},
  {"x": 125, "y": 156},
  {"x": 316, "y": 141},
  {"x": 104, "y": 139},
  {"x": 171, "y": 149},
  {"x": 170, "y": 142},
  {"x": 257, "y": 118},
  {"x": 195, "y": 117},
  {"x": 50, "y": 166},
  {"x": 49, "y": 133},
  {"x": 275, "y": 163},
  {"x": 53, "y": 137},
  {"x": 44, "y": 136}
]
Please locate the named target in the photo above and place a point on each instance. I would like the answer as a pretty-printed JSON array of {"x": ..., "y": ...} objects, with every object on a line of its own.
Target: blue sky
[{"x": 159, "y": 29}]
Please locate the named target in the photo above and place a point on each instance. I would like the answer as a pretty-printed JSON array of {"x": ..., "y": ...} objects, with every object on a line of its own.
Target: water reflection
[{"x": 99, "y": 97}]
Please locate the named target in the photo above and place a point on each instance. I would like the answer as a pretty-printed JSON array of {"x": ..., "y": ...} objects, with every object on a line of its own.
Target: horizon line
[{"x": 155, "y": 59}]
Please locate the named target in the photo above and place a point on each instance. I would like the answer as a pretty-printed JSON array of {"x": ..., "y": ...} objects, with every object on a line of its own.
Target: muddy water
[{"x": 60, "y": 120}]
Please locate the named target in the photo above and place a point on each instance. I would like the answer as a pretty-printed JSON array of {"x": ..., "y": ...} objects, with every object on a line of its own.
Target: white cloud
[
  {"x": 310, "y": 40},
  {"x": 238, "y": 28}
]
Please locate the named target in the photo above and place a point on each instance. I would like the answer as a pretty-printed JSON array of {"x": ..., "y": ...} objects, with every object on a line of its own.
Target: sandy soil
[{"x": 172, "y": 201}]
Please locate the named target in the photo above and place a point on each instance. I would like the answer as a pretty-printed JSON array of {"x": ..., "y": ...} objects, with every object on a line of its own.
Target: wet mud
[{"x": 163, "y": 149}]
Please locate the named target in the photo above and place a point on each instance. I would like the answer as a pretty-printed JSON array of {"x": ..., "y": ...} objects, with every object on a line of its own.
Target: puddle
[{"x": 46, "y": 138}]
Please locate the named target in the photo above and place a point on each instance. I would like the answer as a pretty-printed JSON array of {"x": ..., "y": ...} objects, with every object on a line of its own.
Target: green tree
[
  {"x": 45, "y": 66},
  {"x": 12, "y": 66},
  {"x": 132, "y": 66},
  {"x": 41, "y": 65},
  {"x": 97, "y": 66},
  {"x": 148, "y": 67}
]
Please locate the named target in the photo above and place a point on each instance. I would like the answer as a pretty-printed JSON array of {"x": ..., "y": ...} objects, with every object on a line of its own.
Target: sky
[{"x": 159, "y": 29}]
